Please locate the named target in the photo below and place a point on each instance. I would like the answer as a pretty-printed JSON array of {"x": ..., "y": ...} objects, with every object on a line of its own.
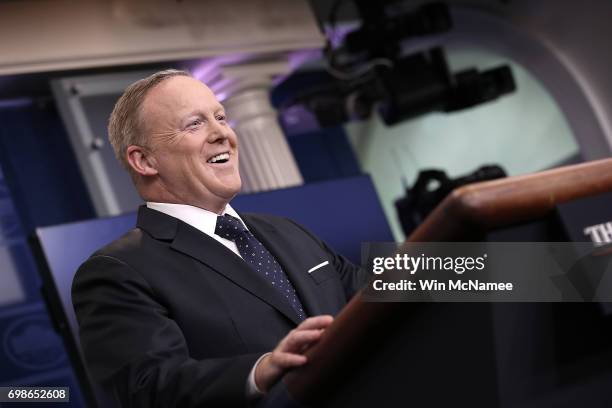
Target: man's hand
[{"x": 289, "y": 352}]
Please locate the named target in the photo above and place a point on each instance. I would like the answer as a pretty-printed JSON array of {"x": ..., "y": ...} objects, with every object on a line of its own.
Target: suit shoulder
[
  {"x": 133, "y": 248},
  {"x": 267, "y": 218},
  {"x": 127, "y": 243},
  {"x": 126, "y": 253},
  {"x": 278, "y": 222}
]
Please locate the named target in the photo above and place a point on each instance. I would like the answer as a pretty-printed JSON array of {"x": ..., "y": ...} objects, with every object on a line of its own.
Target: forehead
[{"x": 179, "y": 95}]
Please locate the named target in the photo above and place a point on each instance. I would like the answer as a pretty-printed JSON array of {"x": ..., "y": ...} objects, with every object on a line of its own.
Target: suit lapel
[
  {"x": 296, "y": 271},
  {"x": 196, "y": 244}
]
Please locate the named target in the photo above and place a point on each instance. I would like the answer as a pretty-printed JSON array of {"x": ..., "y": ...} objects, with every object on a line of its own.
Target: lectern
[{"x": 459, "y": 354}]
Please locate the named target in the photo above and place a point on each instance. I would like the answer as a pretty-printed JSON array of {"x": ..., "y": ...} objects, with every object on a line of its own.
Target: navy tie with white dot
[{"x": 258, "y": 258}]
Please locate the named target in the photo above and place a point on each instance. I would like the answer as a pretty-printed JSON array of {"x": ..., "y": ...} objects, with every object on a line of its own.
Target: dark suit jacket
[{"x": 170, "y": 317}]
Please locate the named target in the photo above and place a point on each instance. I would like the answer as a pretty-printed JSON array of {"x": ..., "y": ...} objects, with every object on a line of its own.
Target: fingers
[
  {"x": 284, "y": 360},
  {"x": 316, "y": 322},
  {"x": 308, "y": 332},
  {"x": 299, "y": 338},
  {"x": 271, "y": 368},
  {"x": 289, "y": 352}
]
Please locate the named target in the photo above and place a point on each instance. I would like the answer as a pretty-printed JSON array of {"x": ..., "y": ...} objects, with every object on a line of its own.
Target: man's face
[{"x": 194, "y": 150}]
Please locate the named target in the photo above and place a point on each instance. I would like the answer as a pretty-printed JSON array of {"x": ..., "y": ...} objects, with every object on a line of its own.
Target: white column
[{"x": 266, "y": 162}]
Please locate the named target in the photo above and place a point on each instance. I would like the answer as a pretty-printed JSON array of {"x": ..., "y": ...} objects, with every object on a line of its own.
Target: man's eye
[
  {"x": 221, "y": 117},
  {"x": 196, "y": 122}
]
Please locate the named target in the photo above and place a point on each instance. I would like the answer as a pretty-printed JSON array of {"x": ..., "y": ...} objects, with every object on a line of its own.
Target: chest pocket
[{"x": 322, "y": 272}]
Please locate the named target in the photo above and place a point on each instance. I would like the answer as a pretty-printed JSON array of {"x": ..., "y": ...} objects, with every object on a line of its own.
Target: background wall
[{"x": 573, "y": 32}]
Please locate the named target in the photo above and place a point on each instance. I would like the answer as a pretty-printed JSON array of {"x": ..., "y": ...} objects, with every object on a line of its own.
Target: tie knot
[{"x": 229, "y": 227}]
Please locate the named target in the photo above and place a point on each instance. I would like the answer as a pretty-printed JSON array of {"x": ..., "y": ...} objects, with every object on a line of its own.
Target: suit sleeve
[
  {"x": 353, "y": 277},
  {"x": 134, "y": 348}
]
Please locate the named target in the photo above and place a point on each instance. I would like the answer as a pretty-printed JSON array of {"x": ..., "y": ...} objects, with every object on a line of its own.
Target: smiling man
[{"x": 198, "y": 305}]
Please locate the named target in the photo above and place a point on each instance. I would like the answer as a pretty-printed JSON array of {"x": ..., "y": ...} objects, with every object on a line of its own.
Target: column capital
[{"x": 227, "y": 77}]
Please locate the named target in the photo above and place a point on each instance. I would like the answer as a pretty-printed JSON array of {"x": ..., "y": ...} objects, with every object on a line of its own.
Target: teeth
[{"x": 222, "y": 156}]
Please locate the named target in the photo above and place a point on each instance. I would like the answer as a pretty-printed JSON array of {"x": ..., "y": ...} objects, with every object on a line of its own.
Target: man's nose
[{"x": 219, "y": 133}]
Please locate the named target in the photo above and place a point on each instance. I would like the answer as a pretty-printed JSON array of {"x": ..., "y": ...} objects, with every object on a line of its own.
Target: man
[{"x": 198, "y": 304}]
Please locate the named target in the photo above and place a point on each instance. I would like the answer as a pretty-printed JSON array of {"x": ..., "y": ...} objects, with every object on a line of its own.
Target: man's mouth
[{"x": 219, "y": 158}]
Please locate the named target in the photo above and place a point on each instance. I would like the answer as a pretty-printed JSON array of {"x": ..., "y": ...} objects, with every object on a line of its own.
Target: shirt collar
[{"x": 198, "y": 218}]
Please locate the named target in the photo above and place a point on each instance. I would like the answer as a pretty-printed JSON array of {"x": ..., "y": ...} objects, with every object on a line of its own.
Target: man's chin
[{"x": 231, "y": 188}]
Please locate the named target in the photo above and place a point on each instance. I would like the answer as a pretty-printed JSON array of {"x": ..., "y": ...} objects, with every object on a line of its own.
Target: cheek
[
  {"x": 181, "y": 166},
  {"x": 191, "y": 158}
]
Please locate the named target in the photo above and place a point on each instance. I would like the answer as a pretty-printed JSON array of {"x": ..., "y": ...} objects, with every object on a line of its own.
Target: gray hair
[{"x": 124, "y": 124}]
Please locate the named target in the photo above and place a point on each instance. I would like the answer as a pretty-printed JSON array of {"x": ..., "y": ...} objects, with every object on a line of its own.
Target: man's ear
[{"x": 141, "y": 160}]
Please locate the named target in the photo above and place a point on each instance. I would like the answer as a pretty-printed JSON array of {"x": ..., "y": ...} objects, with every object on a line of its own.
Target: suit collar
[
  {"x": 196, "y": 244},
  {"x": 157, "y": 224}
]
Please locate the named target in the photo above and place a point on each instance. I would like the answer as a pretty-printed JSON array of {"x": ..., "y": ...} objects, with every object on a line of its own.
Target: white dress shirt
[
  {"x": 206, "y": 221},
  {"x": 199, "y": 218}
]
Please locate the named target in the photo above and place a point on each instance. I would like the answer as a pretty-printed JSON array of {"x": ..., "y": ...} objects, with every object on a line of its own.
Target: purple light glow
[
  {"x": 208, "y": 69},
  {"x": 15, "y": 103},
  {"x": 297, "y": 59},
  {"x": 337, "y": 34},
  {"x": 219, "y": 86},
  {"x": 298, "y": 120}
]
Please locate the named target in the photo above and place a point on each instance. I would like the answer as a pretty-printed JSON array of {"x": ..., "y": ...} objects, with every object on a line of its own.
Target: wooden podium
[{"x": 434, "y": 354}]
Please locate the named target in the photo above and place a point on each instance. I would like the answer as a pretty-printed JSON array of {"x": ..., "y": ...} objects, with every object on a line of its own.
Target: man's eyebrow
[
  {"x": 193, "y": 113},
  {"x": 198, "y": 112}
]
